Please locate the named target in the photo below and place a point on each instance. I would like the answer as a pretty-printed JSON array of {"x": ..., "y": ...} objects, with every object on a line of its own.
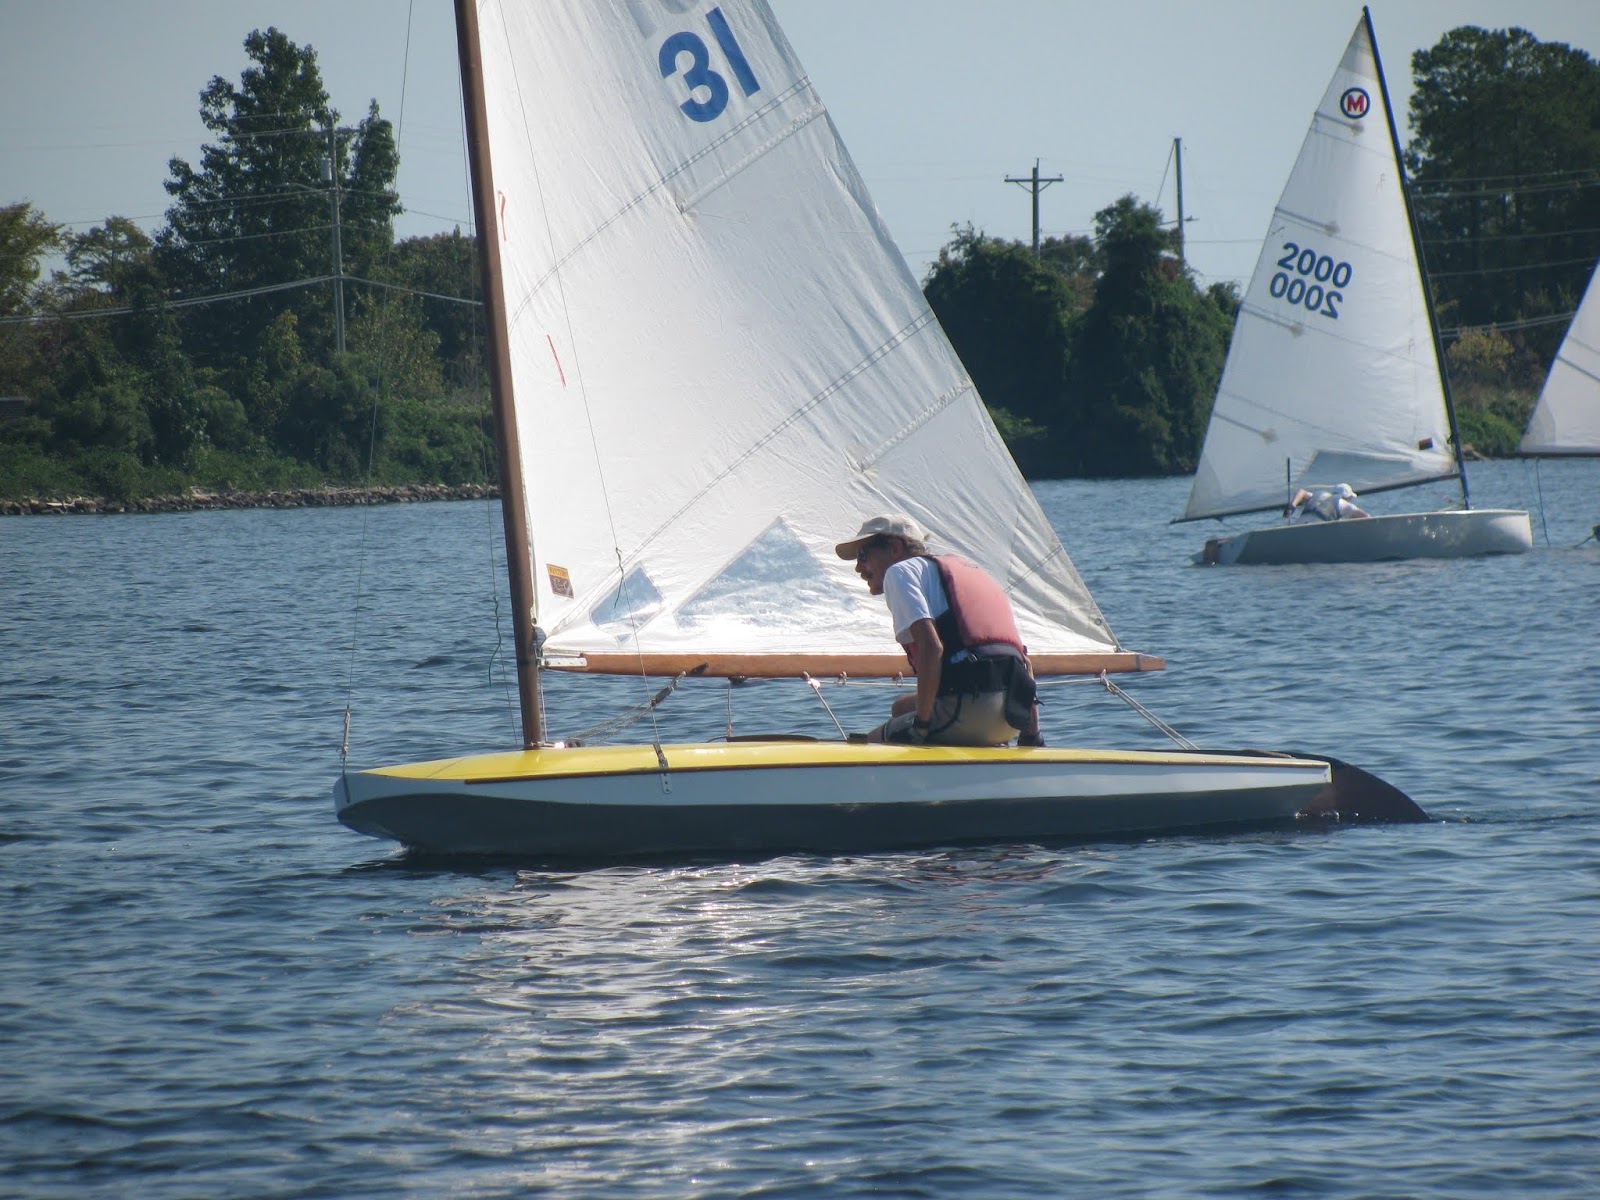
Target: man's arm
[{"x": 930, "y": 665}]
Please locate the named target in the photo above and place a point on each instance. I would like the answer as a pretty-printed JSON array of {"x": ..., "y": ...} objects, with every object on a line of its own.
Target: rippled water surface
[{"x": 213, "y": 989}]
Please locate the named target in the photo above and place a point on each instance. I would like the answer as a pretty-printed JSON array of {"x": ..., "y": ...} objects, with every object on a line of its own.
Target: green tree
[
  {"x": 1505, "y": 164},
  {"x": 1008, "y": 314},
  {"x": 1147, "y": 354},
  {"x": 443, "y": 268},
  {"x": 258, "y": 211},
  {"x": 26, "y": 237},
  {"x": 113, "y": 258}
]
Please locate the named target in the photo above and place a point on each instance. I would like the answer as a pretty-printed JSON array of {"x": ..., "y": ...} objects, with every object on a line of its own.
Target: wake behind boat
[
  {"x": 708, "y": 360},
  {"x": 1334, "y": 373}
]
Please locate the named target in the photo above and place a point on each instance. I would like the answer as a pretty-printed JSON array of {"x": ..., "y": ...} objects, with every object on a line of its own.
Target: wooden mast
[
  {"x": 519, "y": 560},
  {"x": 1416, "y": 250}
]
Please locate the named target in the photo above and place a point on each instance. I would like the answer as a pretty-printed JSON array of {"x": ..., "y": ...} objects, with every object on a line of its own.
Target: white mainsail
[
  {"x": 1333, "y": 374},
  {"x": 721, "y": 363},
  {"x": 1566, "y": 420}
]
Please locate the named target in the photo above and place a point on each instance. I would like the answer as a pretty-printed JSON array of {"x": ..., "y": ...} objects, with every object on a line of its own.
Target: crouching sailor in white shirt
[
  {"x": 1336, "y": 505},
  {"x": 974, "y": 685}
]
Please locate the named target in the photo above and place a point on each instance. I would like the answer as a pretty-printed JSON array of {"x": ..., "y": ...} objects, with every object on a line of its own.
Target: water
[{"x": 213, "y": 989}]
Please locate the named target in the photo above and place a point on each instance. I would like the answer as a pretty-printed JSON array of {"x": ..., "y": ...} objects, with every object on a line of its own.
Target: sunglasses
[{"x": 868, "y": 547}]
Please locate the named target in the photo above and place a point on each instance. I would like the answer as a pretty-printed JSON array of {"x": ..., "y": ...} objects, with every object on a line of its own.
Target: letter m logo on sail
[{"x": 1355, "y": 103}]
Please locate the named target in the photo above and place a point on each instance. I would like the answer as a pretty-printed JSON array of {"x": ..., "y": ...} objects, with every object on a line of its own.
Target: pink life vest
[{"x": 980, "y": 612}]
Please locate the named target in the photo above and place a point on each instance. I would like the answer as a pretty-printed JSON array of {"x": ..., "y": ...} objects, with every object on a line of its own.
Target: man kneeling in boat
[
  {"x": 1336, "y": 505},
  {"x": 974, "y": 685}
]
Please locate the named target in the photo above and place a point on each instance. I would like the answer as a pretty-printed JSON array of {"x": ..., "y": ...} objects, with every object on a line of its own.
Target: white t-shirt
[
  {"x": 914, "y": 591},
  {"x": 1327, "y": 506}
]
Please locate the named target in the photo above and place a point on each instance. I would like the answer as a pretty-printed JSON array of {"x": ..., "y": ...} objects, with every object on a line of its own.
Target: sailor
[
  {"x": 974, "y": 684},
  {"x": 1337, "y": 504}
]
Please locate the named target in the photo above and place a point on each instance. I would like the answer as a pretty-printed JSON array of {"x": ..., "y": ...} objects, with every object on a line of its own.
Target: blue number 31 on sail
[{"x": 699, "y": 73}]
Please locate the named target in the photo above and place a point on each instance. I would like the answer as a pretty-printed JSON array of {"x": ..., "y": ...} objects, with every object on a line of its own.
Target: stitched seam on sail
[
  {"x": 1031, "y": 570},
  {"x": 801, "y": 85},
  {"x": 832, "y": 389},
  {"x": 794, "y": 127},
  {"x": 1291, "y": 418},
  {"x": 921, "y": 419}
]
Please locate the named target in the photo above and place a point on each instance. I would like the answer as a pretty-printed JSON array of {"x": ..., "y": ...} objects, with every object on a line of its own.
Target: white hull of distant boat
[
  {"x": 765, "y": 797},
  {"x": 1454, "y": 533}
]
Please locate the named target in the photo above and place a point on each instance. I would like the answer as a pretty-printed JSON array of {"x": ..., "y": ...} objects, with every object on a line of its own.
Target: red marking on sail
[{"x": 557, "y": 357}]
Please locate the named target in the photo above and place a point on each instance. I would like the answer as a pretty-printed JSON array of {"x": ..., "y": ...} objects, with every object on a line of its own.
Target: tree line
[
  {"x": 275, "y": 333},
  {"x": 1102, "y": 356},
  {"x": 272, "y": 333}
]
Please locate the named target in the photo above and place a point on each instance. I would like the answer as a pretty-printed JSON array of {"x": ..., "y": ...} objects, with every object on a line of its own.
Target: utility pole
[
  {"x": 1036, "y": 185},
  {"x": 1177, "y": 150},
  {"x": 1177, "y": 158},
  {"x": 330, "y": 172}
]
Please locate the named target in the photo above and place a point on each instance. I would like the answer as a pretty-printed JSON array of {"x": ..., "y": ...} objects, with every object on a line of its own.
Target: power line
[
  {"x": 1525, "y": 323},
  {"x": 244, "y": 294},
  {"x": 1508, "y": 237},
  {"x": 88, "y": 313},
  {"x": 1543, "y": 266}
]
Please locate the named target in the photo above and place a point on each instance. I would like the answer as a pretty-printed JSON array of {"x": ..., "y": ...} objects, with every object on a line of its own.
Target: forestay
[
  {"x": 721, "y": 363},
  {"x": 1567, "y": 418},
  {"x": 1333, "y": 373}
]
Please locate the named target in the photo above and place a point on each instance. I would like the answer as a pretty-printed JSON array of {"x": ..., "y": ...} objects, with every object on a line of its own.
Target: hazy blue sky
[{"x": 938, "y": 100}]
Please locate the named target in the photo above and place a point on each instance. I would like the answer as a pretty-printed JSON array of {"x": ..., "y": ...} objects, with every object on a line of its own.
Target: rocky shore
[{"x": 195, "y": 499}]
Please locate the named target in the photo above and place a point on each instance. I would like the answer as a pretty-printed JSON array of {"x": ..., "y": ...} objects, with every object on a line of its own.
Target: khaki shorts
[{"x": 971, "y": 720}]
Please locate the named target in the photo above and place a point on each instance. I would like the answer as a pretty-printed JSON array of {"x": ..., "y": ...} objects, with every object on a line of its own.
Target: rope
[
  {"x": 1147, "y": 714},
  {"x": 817, "y": 689},
  {"x": 633, "y": 715}
]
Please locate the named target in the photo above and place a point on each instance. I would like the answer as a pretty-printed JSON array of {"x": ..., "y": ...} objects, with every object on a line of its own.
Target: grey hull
[{"x": 1461, "y": 533}]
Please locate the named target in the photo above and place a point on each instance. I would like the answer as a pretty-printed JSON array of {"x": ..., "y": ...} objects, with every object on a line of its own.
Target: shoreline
[{"x": 199, "y": 499}]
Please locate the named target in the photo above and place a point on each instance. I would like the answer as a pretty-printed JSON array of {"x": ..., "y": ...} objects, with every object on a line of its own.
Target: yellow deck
[{"x": 714, "y": 756}]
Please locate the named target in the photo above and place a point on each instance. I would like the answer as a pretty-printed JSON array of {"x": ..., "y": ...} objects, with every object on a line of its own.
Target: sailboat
[
  {"x": 1334, "y": 375},
  {"x": 709, "y": 363},
  {"x": 1566, "y": 419}
]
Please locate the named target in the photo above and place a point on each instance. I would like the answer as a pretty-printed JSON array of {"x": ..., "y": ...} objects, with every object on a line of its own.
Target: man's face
[{"x": 872, "y": 560}]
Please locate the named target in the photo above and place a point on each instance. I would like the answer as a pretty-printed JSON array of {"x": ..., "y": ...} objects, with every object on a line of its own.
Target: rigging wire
[
  {"x": 385, "y": 313},
  {"x": 816, "y": 689},
  {"x": 631, "y": 716},
  {"x": 1144, "y": 712}
]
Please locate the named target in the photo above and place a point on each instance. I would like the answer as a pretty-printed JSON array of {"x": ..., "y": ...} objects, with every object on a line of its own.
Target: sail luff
[
  {"x": 1422, "y": 268},
  {"x": 519, "y": 561}
]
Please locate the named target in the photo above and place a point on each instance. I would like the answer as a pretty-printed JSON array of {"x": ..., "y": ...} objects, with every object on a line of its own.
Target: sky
[{"x": 938, "y": 101}]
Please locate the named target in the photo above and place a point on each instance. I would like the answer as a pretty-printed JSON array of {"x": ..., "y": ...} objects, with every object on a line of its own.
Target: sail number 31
[
  {"x": 698, "y": 75},
  {"x": 1311, "y": 279}
]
